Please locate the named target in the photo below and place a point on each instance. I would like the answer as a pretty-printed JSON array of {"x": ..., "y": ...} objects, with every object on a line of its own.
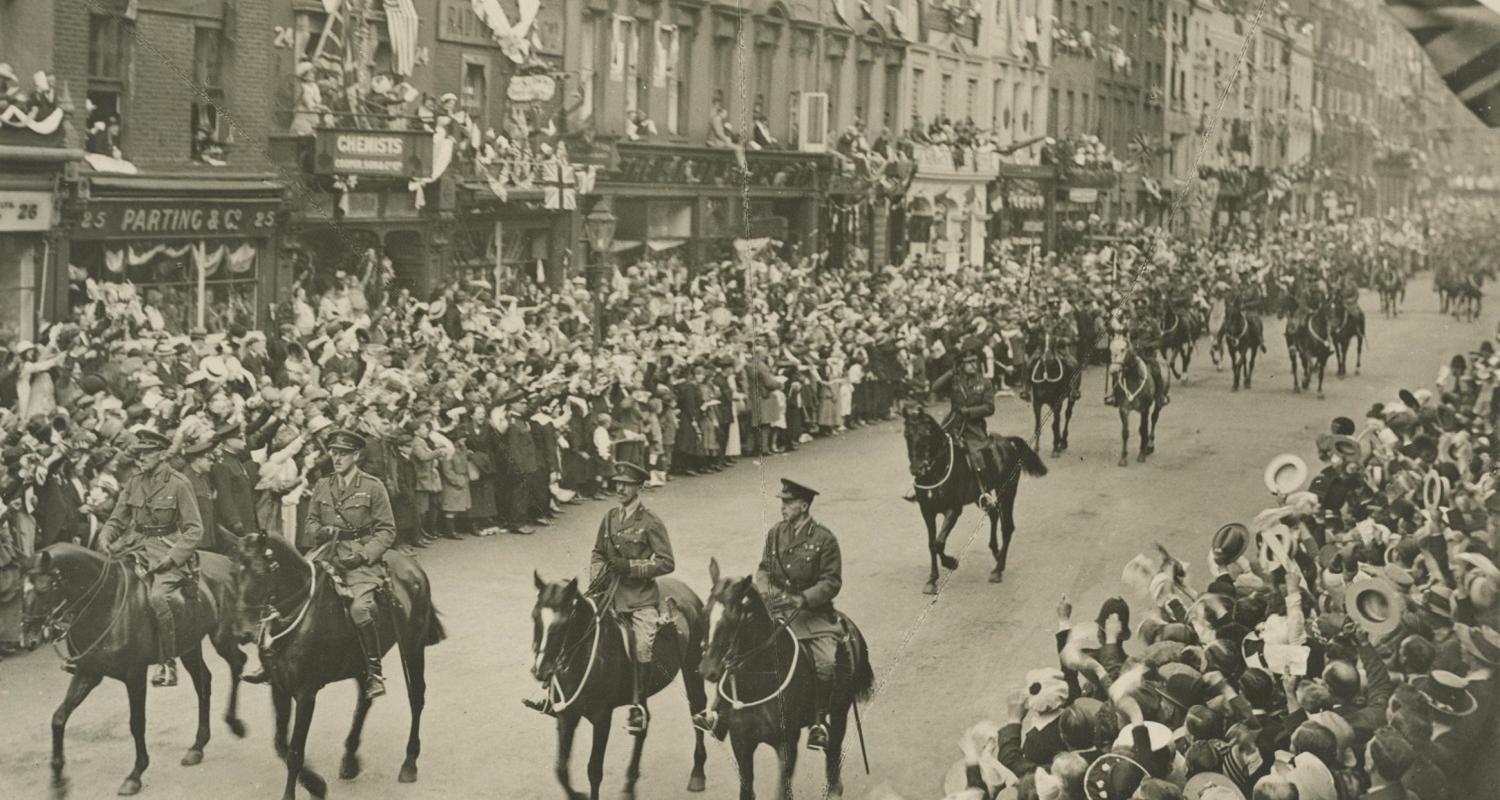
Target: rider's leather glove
[{"x": 620, "y": 564}]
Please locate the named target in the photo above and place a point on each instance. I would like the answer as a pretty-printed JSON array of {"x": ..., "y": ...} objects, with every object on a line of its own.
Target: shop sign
[
  {"x": 25, "y": 211},
  {"x": 177, "y": 219},
  {"x": 1084, "y": 194},
  {"x": 531, "y": 88},
  {"x": 1034, "y": 226},
  {"x": 397, "y": 154},
  {"x": 457, "y": 22}
]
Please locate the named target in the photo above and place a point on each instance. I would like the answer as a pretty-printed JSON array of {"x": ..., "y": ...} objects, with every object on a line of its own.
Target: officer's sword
[{"x": 859, "y": 729}]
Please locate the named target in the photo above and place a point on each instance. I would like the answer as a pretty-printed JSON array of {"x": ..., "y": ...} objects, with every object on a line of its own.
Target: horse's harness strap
[
  {"x": 554, "y": 687},
  {"x": 791, "y": 672},
  {"x": 267, "y": 638},
  {"x": 946, "y": 475}
]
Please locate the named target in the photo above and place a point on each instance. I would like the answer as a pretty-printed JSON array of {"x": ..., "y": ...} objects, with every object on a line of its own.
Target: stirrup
[
  {"x": 374, "y": 687},
  {"x": 541, "y": 706},
  {"x": 166, "y": 674},
  {"x": 636, "y": 726},
  {"x": 988, "y": 499},
  {"x": 706, "y": 720}
]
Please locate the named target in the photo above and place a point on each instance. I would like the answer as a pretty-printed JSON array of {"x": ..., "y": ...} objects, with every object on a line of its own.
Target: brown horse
[
  {"x": 766, "y": 680},
  {"x": 579, "y": 654},
  {"x": 1308, "y": 345},
  {"x": 1134, "y": 391},
  {"x": 1179, "y": 338},
  {"x": 1344, "y": 326},
  {"x": 96, "y": 606},
  {"x": 291, "y": 607},
  {"x": 1244, "y": 337},
  {"x": 946, "y": 483}
]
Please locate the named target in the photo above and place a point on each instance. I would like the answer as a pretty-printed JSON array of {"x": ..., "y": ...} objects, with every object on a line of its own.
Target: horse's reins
[
  {"x": 554, "y": 687},
  {"x": 1041, "y": 361},
  {"x": 265, "y": 637},
  {"x": 946, "y": 475},
  {"x": 1141, "y": 387},
  {"x": 53, "y": 619},
  {"x": 733, "y": 664}
]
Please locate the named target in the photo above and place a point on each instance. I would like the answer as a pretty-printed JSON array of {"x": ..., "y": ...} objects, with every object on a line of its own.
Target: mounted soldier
[
  {"x": 156, "y": 524},
  {"x": 350, "y": 522},
  {"x": 1143, "y": 327},
  {"x": 1056, "y": 333},
  {"x": 971, "y": 401}
]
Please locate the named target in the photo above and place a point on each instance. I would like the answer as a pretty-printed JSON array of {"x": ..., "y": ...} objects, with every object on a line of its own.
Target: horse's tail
[
  {"x": 435, "y": 630},
  {"x": 1030, "y": 462},
  {"x": 862, "y": 680}
]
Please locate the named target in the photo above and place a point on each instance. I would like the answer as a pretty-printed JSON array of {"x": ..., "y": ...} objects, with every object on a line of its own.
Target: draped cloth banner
[
  {"x": 1462, "y": 39},
  {"x": 239, "y": 260}
]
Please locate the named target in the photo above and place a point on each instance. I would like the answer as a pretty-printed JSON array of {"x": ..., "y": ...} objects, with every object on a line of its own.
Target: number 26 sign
[{"x": 25, "y": 211}]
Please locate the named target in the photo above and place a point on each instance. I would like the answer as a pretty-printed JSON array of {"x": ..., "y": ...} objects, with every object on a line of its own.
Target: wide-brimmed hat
[
  {"x": 1375, "y": 603},
  {"x": 1285, "y": 474},
  {"x": 1229, "y": 543},
  {"x": 1448, "y": 694},
  {"x": 1113, "y": 777},
  {"x": 1435, "y": 489},
  {"x": 1211, "y": 786}
]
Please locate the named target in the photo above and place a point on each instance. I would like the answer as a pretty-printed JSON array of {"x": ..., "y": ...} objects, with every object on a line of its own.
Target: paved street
[{"x": 941, "y": 663}]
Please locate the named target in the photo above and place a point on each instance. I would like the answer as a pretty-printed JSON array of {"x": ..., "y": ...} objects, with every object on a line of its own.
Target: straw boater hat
[
  {"x": 1285, "y": 474},
  {"x": 1375, "y": 603}
]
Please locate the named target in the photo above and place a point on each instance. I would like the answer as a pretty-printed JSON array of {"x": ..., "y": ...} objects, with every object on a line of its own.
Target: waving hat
[
  {"x": 1375, "y": 603},
  {"x": 1285, "y": 474},
  {"x": 1113, "y": 777},
  {"x": 1435, "y": 489}
]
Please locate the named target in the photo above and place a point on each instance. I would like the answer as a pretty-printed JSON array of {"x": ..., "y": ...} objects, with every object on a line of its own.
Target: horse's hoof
[
  {"x": 408, "y": 773},
  {"x": 1124, "y": 462},
  {"x": 695, "y": 783},
  {"x": 1140, "y": 459},
  {"x": 192, "y": 758},
  {"x": 349, "y": 769},
  {"x": 930, "y": 587},
  {"x": 948, "y": 562},
  {"x": 1234, "y": 388},
  {"x": 997, "y": 575},
  {"x": 236, "y": 727},
  {"x": 313, "y": 783},
  {"x": 131, "y": 786}
]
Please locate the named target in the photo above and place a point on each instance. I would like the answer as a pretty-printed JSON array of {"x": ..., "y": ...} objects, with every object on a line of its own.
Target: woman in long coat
[{"x": 455, "y": 468}]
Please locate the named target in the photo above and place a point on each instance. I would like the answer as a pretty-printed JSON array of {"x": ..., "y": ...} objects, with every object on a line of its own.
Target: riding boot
[
  {"x": 166, "y": 642},
  {"x": 989, "y": 479},
  {"x": 817, "y": 733},
  {"x": 911, "y": 494},
  {"x": 257, "y": 675},
  {"x": 636, "y": 718},
  {"x": 369, "y": 643}
]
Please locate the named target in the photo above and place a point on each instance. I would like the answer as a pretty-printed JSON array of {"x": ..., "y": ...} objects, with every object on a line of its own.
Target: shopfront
[
  {"x": 201, "y": 251},
  {"x": 1020, "y": 212},
  {"x": 951, "y": 188},
  {"x": 33, "y": 257}
]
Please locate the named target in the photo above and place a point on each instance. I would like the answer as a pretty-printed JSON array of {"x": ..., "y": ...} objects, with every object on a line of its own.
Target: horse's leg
[
  {"x": 744, "y": 758},
  {"x": 567, "y": 725},
  {"x": 349, "y": 769},
  {"x": 1007, "y": 529},
  {"x": 281, "y": 704},
  {"x": 786, "y": 757},
  {"x": 600, "y": 723},
  {"x": 1144, "y": 431},
  {"x": 1291, "y": 352},
  {"x": 1036, "y": 419},
  {"x": 1124, "y": 432},
  {"x": 78, "y": 690},
  {"x": 697, "y": 701},
  {"x": 1234, "y": 368},
  {"x": 1359, "y": 351},
  {"x": 227, "y": 649},
  {"x": 414, "y": 661},
  {"x": 833, "y": 757},
  {"x": 1057, "y": 440},
  {"x": 949, "y": 520},
  {"x": 192, "y": 661},
  {"x": 1250, "y": 367},
  {"x": 296, "y": 751},
  {"x": 135, "y": 688},
  {"x": 1068, "y": 418},
  {"x": 633, "y": 769},
  {"x": 1322, "y": 368},
  {"x": 929, "y": 518}
]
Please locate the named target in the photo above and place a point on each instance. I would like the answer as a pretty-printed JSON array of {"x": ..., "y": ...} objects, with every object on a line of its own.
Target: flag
[
  {"x": 559, "y": 188},
  {"x": 401, "y": 22},
  {"x": 1462, "y": 39}
]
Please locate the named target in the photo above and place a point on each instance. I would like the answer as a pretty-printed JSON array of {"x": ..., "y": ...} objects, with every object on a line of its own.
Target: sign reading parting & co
[{"x": 163, "y": 219}]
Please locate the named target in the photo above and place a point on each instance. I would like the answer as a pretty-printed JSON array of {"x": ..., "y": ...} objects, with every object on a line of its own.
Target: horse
[
  {"x": 1243, "y": 333},
  {"x": 1308, "y": 346},
  {"x": 97, "y": 607},
  {"x": 290, "y": 606},
  {"x": 1141, "y": 399},
  {"x": 946, "y": 483},
  {"x": 1052, "y": 384},
  {"x": 1392, "y": 287},
  {"x": 581, "y": 657},
  {"x": 1179, "y": 338},
  {"x": 1346, "y": 325},
  {"x": 767, "y": 680}
]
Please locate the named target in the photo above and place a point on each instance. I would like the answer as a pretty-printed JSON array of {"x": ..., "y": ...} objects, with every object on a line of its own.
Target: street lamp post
[{"x": 599, "y": 226}]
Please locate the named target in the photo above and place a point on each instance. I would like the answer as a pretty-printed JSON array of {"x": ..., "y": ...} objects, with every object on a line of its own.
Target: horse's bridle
[
  {"x": 564, "y": 652},
  {"x": 57, "y": 624},
  {"x": 733, "y": 663},
  {"x": 925, "y": 465},
  {"x": 271, "y": 611}
]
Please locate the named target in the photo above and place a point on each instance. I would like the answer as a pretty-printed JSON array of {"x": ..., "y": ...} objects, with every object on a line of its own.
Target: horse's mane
[
  {"x": 68, "y": 550},
  {"x": 283, "y": 551}
]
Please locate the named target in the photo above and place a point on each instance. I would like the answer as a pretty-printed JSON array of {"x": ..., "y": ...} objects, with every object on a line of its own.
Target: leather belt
[
  {"x": 349, "y": 535},
  {"x": 155, "y": 530}
]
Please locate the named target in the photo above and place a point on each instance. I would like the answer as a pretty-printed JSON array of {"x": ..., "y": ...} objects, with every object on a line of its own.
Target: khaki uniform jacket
[
  {"x": 972, "y": 399},
  {"x": 358, "y": 515},
  {"x": 641, "y": 538},
  {"x": 802, "y": 559},
  {"x": 157, "y": 511}
]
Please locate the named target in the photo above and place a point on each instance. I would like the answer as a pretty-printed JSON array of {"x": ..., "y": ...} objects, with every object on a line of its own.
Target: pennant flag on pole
[{"x": 1462, "y": 39}]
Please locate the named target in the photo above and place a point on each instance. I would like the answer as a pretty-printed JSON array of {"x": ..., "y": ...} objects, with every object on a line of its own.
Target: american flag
[
  {"x": 402, "y": 23},
  {"x": 1462, "y": 38}
]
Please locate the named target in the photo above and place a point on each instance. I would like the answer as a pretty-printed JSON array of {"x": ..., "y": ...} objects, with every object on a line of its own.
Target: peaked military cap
[
  {"x": 626, "y": 472},
  {"x": 792, "y": 490},
  {"x": 149, "y": 441},
  {"x": 346, "y": 440}
]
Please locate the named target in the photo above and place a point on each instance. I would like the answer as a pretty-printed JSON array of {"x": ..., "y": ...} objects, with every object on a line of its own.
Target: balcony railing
[
  {"x": 955, "y": 160},
  {"x": 667, "y": 164}
]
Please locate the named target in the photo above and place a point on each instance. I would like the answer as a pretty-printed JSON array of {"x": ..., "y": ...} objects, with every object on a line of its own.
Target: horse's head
[
  {"x": 735, "y": 611},
  {"x": 1120, "y": 350},
  {"x": 259, "y": 564},
  {"x": 924, "y": 439},
  {"x": 558, "y": 606},
  {"x": 57, "y": 582}
]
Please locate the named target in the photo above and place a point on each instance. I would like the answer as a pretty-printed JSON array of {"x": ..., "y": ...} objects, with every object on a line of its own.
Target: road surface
[{"x": 941, "y": 663}]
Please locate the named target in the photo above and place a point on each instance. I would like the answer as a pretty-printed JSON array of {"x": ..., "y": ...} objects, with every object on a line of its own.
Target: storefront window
[
  {"x": 189, "y": 283},
  {"x": 19, "y": 257}
]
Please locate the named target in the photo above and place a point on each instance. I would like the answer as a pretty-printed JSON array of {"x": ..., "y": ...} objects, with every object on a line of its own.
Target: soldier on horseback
[
  {"x": 1055, "y": 333},
  {"x": 1143, "y": 326},
  {"x": 972, "y": 401},
  {"x": 156, "y": 522},
  {"x": 352, "y": 525}
]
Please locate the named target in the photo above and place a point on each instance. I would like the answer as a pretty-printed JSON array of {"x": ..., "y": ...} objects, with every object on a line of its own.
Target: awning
[
  {"x": 622, "y": 246},
  {"x": 181, "y": 184},
  {"x": 662, "y": 245}
]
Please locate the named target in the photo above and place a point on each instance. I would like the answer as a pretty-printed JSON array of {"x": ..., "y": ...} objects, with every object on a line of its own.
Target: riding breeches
[
  {"x": 824, "y": 650},
  {"x": 166, "y": 591},
  {"x": 643, "y": 625}
]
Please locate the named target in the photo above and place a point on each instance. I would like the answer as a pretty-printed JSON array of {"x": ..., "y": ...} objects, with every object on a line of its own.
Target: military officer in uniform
[
  {"x": 350, "y": 522},
  {"x": 972, "y": 401},
  {"x": 156, "y": 518},
  {"x": 800, "y": 573}
]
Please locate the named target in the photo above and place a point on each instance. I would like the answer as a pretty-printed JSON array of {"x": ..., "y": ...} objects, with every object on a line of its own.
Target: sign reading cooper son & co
[
  {"x": 164, "y": 219},
  {"x": 396, "y": 154}
]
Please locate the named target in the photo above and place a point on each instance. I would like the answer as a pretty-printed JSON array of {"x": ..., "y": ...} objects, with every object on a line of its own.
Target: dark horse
[
  {"x": 1346, "y": 326},
  {"x": 767, "y": 681},
  {"x": 1134, "y": 390},
  {"x": 946, "y": 483},
  {"x": 1391, "y": 284},
  {"x": 97, "y": 606},
  {"x": 580, "y": 655},
  {"x": 1179, "y": 338},
  {"x": 1052, "y": 384},
  {"x": 1245, "y": 337},
  {"x": 1308, "y": 346},
  {"x": 292, "y": 608}
]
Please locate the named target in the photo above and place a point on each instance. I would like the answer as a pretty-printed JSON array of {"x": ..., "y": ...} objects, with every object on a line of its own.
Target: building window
[
  {"x": 106, "y": 87},
  {"x": 945, "y": 95},
  {"x": 997, "y": 99},
  {"x": 1052, "y": 113},
  {"x": 723, "y": 68},
  {"x": 971, "y": 102},
  {"x": 476, "y": 92},
  {"x": 644, "y": 64},
  {"x": 918, "y": 79},
  {"x": 1070, "y": 112},
  {"x": 864, "y": 73},
  {"x": 835, "y": 95},
  {"x": 892, "y": 89},
  {"x": 679, "y": 52},
  {"x": 210, "y": 129},
  {"x": 588, "y": 75},
  {"x": 624, "y": 63}
]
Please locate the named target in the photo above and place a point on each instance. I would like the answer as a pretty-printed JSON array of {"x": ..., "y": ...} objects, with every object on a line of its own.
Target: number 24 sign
[{"x": 25, "y": 211}]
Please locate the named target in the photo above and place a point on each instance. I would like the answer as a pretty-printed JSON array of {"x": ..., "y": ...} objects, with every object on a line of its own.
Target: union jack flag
[
  {"x": 1462, "y": 39},
  {"x": 559, "y": 186}
]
